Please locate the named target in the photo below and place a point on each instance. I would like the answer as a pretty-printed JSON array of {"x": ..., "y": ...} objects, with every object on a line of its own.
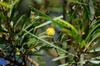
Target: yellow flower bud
[{"x": 50, "y": 31}]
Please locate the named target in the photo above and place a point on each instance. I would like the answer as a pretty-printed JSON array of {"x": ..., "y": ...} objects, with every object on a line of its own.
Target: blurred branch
[
  {"x": 32, "y": 61},
  {"x": 29, "y": 59}
]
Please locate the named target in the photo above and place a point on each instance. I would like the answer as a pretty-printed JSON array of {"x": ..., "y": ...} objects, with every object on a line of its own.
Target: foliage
[{"x": 75, "y": 38}]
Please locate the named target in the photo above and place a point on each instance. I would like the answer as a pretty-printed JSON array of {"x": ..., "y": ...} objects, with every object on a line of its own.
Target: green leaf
[
  {"x": 44, "y": 24},
  {"x": 41, "y": 14},
  {"x": 94, "y": 23},
  {"x": 91, "y": 31},
  {"x": 66, "y": 24},
  {"x": 58, "y": 58},
  {"x": 91, "y": 41}
]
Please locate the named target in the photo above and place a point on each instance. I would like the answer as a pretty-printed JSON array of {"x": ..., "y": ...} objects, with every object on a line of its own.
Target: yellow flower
[{"x": 50, "y": 31}]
